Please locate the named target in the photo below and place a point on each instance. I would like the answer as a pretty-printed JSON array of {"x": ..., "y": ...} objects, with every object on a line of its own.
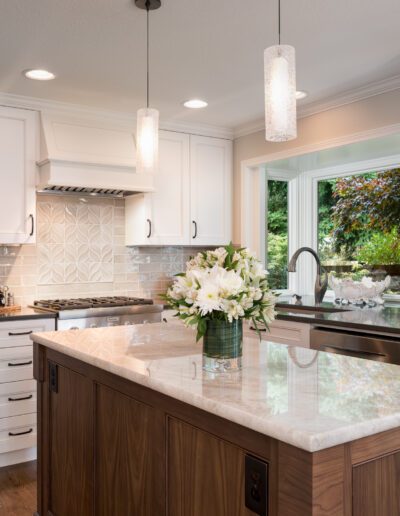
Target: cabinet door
[
  {"x": 376, "y": 487},
  {"x": 169, "y": 204},
  {"x": 18, "y": 129},
  {"x": 211, "y": 190},
  {"x": 162, "y": 217},
  {"x": 130, "y": 452},
  {"x": 205, "y": 474},
  {"x": 71, "y": 456}
]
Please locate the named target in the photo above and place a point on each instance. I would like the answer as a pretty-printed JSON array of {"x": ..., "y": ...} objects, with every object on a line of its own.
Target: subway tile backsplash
[{"x": 80, "y": 252}]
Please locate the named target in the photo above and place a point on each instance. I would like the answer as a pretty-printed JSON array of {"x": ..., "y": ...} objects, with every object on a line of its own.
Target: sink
[{"x": 310, "y": 309}]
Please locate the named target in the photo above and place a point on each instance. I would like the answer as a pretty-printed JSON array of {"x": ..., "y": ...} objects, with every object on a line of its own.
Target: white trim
[
  {"x": 125, "y": 119},
  {"x": 342, "y": 99},
  {"x": 369, "y": 134}
]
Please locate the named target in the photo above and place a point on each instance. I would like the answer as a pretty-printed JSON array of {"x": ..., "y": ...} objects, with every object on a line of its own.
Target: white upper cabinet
[
  {"x": 161, "y": 218},
  {"x": 211, "y": 190},
  {"x": 191, "y": 204},
  {"x": 18, "y": 130}
]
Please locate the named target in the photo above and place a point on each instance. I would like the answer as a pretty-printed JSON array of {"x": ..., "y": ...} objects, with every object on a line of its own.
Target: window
[
  {"x": 277, "y": 233},
  {"x": 359, "y": 225}
]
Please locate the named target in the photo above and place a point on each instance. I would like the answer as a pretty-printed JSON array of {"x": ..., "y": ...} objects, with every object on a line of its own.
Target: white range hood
[{"x": 85, "y": 157}]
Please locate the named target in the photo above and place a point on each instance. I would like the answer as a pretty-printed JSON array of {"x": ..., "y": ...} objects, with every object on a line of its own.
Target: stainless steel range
[{"x": 96, "y": 312}]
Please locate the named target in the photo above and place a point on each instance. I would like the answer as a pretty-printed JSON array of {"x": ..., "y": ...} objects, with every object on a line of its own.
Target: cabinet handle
[
  {"x": 32, "y": 224},
  {"x": 12, "y": 334},
  {"x": 13, "y": 434},
  {"x": 10, "y": 364},
  {"x": 195, "y": 229},
  {"x": 149, "y": 223},
  {"x": 21, "y": 399}
]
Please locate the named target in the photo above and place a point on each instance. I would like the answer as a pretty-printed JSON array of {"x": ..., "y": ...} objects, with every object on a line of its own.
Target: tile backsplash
[{"x": 80, "y": 252}]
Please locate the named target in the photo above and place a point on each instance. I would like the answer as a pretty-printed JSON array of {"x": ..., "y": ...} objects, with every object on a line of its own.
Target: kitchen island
[{"x": 130, "y": 424}]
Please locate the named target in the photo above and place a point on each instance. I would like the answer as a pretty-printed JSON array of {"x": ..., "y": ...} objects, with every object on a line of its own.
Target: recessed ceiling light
[
  {"x": 301, "y": 94},
  {"x": 39, "y": 75},
  {"x": 195, "y": 104}
]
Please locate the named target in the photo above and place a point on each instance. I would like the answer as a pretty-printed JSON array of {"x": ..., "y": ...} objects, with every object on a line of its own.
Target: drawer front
[
  {"x": 16, "y": 364},
  {"x": 17, "y": 398},
  {"x": 285, "y": 332},
  {"x": 22, "y": 434},
  {"x": 10, "y": 423},
  {"x": 17, "y": 333}
]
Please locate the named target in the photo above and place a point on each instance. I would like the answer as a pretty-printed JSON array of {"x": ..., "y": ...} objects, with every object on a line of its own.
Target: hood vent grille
[{"x": 76, "y": 190}]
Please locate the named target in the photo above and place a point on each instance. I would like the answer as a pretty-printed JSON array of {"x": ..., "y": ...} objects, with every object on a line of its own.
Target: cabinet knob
[
  {"x": 149, "y": 223},
  {"x": 195, "y": 229}
]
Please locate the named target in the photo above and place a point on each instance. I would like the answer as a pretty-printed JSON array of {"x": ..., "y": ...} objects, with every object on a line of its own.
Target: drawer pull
[
  {"x": 21, "y": 399},
  {"x": 10, "y": 364},
  {"x": 12, "y": 334},
  {"x": 13, "y": 434}
]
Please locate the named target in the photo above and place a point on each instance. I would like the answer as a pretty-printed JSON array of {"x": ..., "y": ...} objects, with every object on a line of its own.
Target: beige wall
[{"x": 336, "y": 124}]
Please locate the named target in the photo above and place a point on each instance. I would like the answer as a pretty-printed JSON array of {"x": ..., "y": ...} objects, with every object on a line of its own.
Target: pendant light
[
  {"x": 280, "y": 90},
  {"x": 147, "y": 118}
]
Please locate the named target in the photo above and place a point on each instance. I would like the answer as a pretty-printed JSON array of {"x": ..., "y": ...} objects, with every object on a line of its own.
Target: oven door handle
[{"x": 353, "y": 352}]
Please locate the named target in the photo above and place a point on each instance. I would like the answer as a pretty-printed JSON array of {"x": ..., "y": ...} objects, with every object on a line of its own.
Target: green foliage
[
  {"x": 277, "y": 223},
  {"x": 365, "y": 204},
  {"x": 277, "y": 260},
  {"x": 277, "y": 207},
  {"x": 381, "y": 249}
]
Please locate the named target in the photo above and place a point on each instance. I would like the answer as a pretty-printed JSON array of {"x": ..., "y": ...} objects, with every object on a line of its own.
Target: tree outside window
[{"x": 359, "y": 225}]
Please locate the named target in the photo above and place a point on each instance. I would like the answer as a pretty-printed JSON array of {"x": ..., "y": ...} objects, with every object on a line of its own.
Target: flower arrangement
[{"x": 225, "y": 284}]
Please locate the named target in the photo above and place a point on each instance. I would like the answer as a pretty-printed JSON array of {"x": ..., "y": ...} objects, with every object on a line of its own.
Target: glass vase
[{"x": 222, "y": 346}]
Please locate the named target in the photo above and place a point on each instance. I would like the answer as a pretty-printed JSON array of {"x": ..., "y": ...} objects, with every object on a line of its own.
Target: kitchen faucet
[{"x": 321, "y": 284}]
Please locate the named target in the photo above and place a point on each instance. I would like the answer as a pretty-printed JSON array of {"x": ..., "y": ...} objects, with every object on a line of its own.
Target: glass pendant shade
[
  {"x": 147, "y": 140},
  {"x": 280, "y": 93}
]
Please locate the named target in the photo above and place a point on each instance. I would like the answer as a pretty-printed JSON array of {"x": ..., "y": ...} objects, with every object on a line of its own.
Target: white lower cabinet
[
  {"x": 285, "y": 332},
  {"x": 18, "y": 390},
  {"x": 192, "y": 202}
]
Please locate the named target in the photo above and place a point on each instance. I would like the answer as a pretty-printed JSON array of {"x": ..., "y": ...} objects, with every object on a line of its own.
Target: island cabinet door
[
  {"x": 130, "y": 456},
  {"x": 70, "y": 471},
  {"x": 206, "y": 475},
  {"x": 376, "y": 487}
]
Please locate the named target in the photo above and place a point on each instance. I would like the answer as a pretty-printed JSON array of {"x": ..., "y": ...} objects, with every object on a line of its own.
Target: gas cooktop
[{"x": 90, "y": 302}]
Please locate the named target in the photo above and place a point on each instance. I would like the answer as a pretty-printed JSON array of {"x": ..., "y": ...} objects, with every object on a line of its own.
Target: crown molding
[
  {"x": 342, "y": 99},
  {"x": 124, "y": 119}
]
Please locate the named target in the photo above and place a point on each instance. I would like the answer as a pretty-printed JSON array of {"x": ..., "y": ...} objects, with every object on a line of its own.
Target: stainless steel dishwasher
[{"x": 382, "y": 348}]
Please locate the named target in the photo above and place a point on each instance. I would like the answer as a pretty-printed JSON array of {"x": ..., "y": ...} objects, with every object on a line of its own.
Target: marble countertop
[
  {"x": 27, "y": 313},
  {"x": 312, "y": 400},
  {"x": 384, "y": 319}
]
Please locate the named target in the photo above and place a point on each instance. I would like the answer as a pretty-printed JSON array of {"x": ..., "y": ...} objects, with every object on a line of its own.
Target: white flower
[
  {"x": 269, "y": 313},
  {"x": 233, "y": 309},
  {"x": 230, "y": 283},
  {"x": 208, "y": 298}
]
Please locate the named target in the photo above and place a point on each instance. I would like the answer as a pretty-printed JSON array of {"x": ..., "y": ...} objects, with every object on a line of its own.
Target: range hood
[{"x": 88, "y": 158}]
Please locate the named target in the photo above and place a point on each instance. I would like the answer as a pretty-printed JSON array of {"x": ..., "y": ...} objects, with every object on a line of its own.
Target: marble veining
[{"x": 312, "y": 400}]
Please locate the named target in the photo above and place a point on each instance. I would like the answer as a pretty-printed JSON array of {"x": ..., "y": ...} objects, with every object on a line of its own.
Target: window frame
[{"x": 303, "y": 211}]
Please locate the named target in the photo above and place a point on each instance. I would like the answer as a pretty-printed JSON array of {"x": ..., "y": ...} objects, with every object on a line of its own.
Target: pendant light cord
[
  {"x": 279, "y": 22},
  {"x": 147, "y": 58}
]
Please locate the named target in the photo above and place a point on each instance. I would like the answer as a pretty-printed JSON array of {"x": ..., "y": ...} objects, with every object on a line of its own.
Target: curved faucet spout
[{"x": 321, "y": 282}]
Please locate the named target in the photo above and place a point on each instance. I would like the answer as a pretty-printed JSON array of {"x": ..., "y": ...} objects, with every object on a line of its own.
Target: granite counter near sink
[{"x": 379, "y": 319}]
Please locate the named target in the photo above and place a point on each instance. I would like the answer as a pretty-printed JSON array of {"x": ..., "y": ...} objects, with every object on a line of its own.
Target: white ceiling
[{"x": 199, "y": 48}]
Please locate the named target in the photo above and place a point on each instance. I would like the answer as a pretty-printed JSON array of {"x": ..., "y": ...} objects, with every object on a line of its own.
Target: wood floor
[{"x": 18, "y": 490}]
